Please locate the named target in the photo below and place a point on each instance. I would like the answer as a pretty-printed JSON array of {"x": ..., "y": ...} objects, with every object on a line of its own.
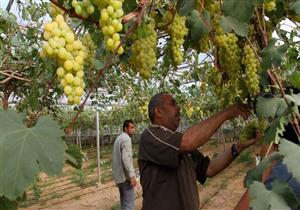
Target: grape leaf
[
  {"x": 295, "y": 79},
  {"x": 7, "y": 204},
  {"x": 263, "y": 199},
  {"x": 199, "y": 25},
  {"x": 283, "y": 190},
  {"x": 26, "y": 151},
  {"x": 74, "y": 156},
  {"x": 256, "y": 173},
  {"x": 269, "y": 107},
  {"x": 294, "y": 98},
  {"x": 230, "y": 23},
  {"x": 272, "y": 55},
  {"x": 274, "y": 129},
  {"x": 129, "y": 6},
  {"x": 291, "y": 152},
  {"x": 184, "y": 7},
  {"x": 295, "y": 6},
  {"x": 239, "y": 9}
]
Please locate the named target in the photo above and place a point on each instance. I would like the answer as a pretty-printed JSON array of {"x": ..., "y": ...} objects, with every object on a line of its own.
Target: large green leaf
[
  {"x": 295, "y": 7},
  {"x": 283, "y": 190},
  {"x": 274, "y": 129},
  {"x": 184, "y": 7},
  {"x": 256, "y": 173},
  {"x": 263, "y": 199},
  {"x": 269, "y": 107},
  {"x": 230, "y": 23},
  {"x": 291, "y": 152},
  {"x": 24, "y": 152},
  {"x": 198, "y": 25},
  {"x": 239, "y": 9},
  {"x": 272, "y": 55}
]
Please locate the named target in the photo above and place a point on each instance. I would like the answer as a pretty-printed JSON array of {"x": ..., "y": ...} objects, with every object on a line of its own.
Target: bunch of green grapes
[
  {"x": 253, "y": 126},
  {"x": 270, "y": 5},
  {"x": 251, "y": 64},
  {"x": 83, "y": 8},
  {"x": 165, "y": 20},
  {"x": 110, "y": 21},
  {"x": 262, "y": 125},
  {"x": 54, "y": 10},
  {"x": 229, "y": 53},
  {"x": 249, "y": 131},
  {"x": 61, "y": 44},
  {"x": 177, "y": 31},
  {"x": 215, "y": 7},
  {"x": 143, "y": 57},
  {"x": 204, "y": 43},
  {"x": 90, "y": 47}
]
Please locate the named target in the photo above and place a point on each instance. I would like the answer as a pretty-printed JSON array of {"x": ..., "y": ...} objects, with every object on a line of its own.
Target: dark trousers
[{"x": 126, "y": 195}]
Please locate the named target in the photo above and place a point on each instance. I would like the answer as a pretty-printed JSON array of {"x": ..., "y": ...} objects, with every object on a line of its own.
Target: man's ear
[{"x": 157, "y": 112}]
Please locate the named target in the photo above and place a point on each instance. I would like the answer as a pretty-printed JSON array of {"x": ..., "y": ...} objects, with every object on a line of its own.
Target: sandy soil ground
[{"x": 214, "y": 194}]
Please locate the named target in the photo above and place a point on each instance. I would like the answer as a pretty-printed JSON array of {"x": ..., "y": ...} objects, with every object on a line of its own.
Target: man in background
[{"x": 122, "y": 166}]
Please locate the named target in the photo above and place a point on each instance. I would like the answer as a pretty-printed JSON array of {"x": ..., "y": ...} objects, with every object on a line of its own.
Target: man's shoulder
[{"x": 123, "y": 137}]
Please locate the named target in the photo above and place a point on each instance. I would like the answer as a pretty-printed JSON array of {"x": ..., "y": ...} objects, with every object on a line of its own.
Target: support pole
[{"x": 98, "y": 148}]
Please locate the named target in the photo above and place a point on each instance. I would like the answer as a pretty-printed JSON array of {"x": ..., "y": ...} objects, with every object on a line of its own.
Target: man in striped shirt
[{"x": 169, "y": 162}]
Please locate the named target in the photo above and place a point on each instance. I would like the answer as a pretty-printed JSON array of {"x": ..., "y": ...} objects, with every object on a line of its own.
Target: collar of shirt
[{"x": 162, "y": 127}]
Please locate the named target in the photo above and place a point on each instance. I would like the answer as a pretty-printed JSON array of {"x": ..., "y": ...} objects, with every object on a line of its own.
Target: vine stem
[
  {"x": 269, "y": 149},
  {"x": 109, "y": 61},
  {"x": 12, "y": 76},
  {"x": 265, "y": 40},
  {"x": 252, "y": 47}
]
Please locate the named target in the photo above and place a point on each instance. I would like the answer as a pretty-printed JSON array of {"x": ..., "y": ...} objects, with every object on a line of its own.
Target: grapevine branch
[
  {"x": 253, "y": 49},
  {"x": 12, "y": 75},
  {"x": 265, "y": 40},
  {"x": 109, "y": 61}
]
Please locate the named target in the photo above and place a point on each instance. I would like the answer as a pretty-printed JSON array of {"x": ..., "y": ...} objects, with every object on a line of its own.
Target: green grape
[
  {"x": 83, "y": 8},
  {"x": 165, "y": 20},
  {"x": 111, "y": 13},
  {"x": 143, "y": 57},
  {"x": 249, "y": 131},
  {"x": 262, "y": 125},
  {"x": 55, "y": 11},
  {"x": 228, "y": 59},
  {"x": 251, "y": 64},
  {"x": 90, "y": 48},
  {"x": 177, "y": 31},
  {"x": 270, "y": 5},
  {"x": 70, "y": 54},
  {"x": 204, "y": 44}
]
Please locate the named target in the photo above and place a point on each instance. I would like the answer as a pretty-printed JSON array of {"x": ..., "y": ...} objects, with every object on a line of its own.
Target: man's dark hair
[
  {"x": 126, "y": 124},
  {"x": 154, "y": 102}
]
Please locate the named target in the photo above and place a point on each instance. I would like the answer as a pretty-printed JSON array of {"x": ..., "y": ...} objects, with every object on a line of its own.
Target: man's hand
[
  {"x": 133, "y": 181},
  {"x": 249, "y": 142},
  {"x": 239, "y": 109}
]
